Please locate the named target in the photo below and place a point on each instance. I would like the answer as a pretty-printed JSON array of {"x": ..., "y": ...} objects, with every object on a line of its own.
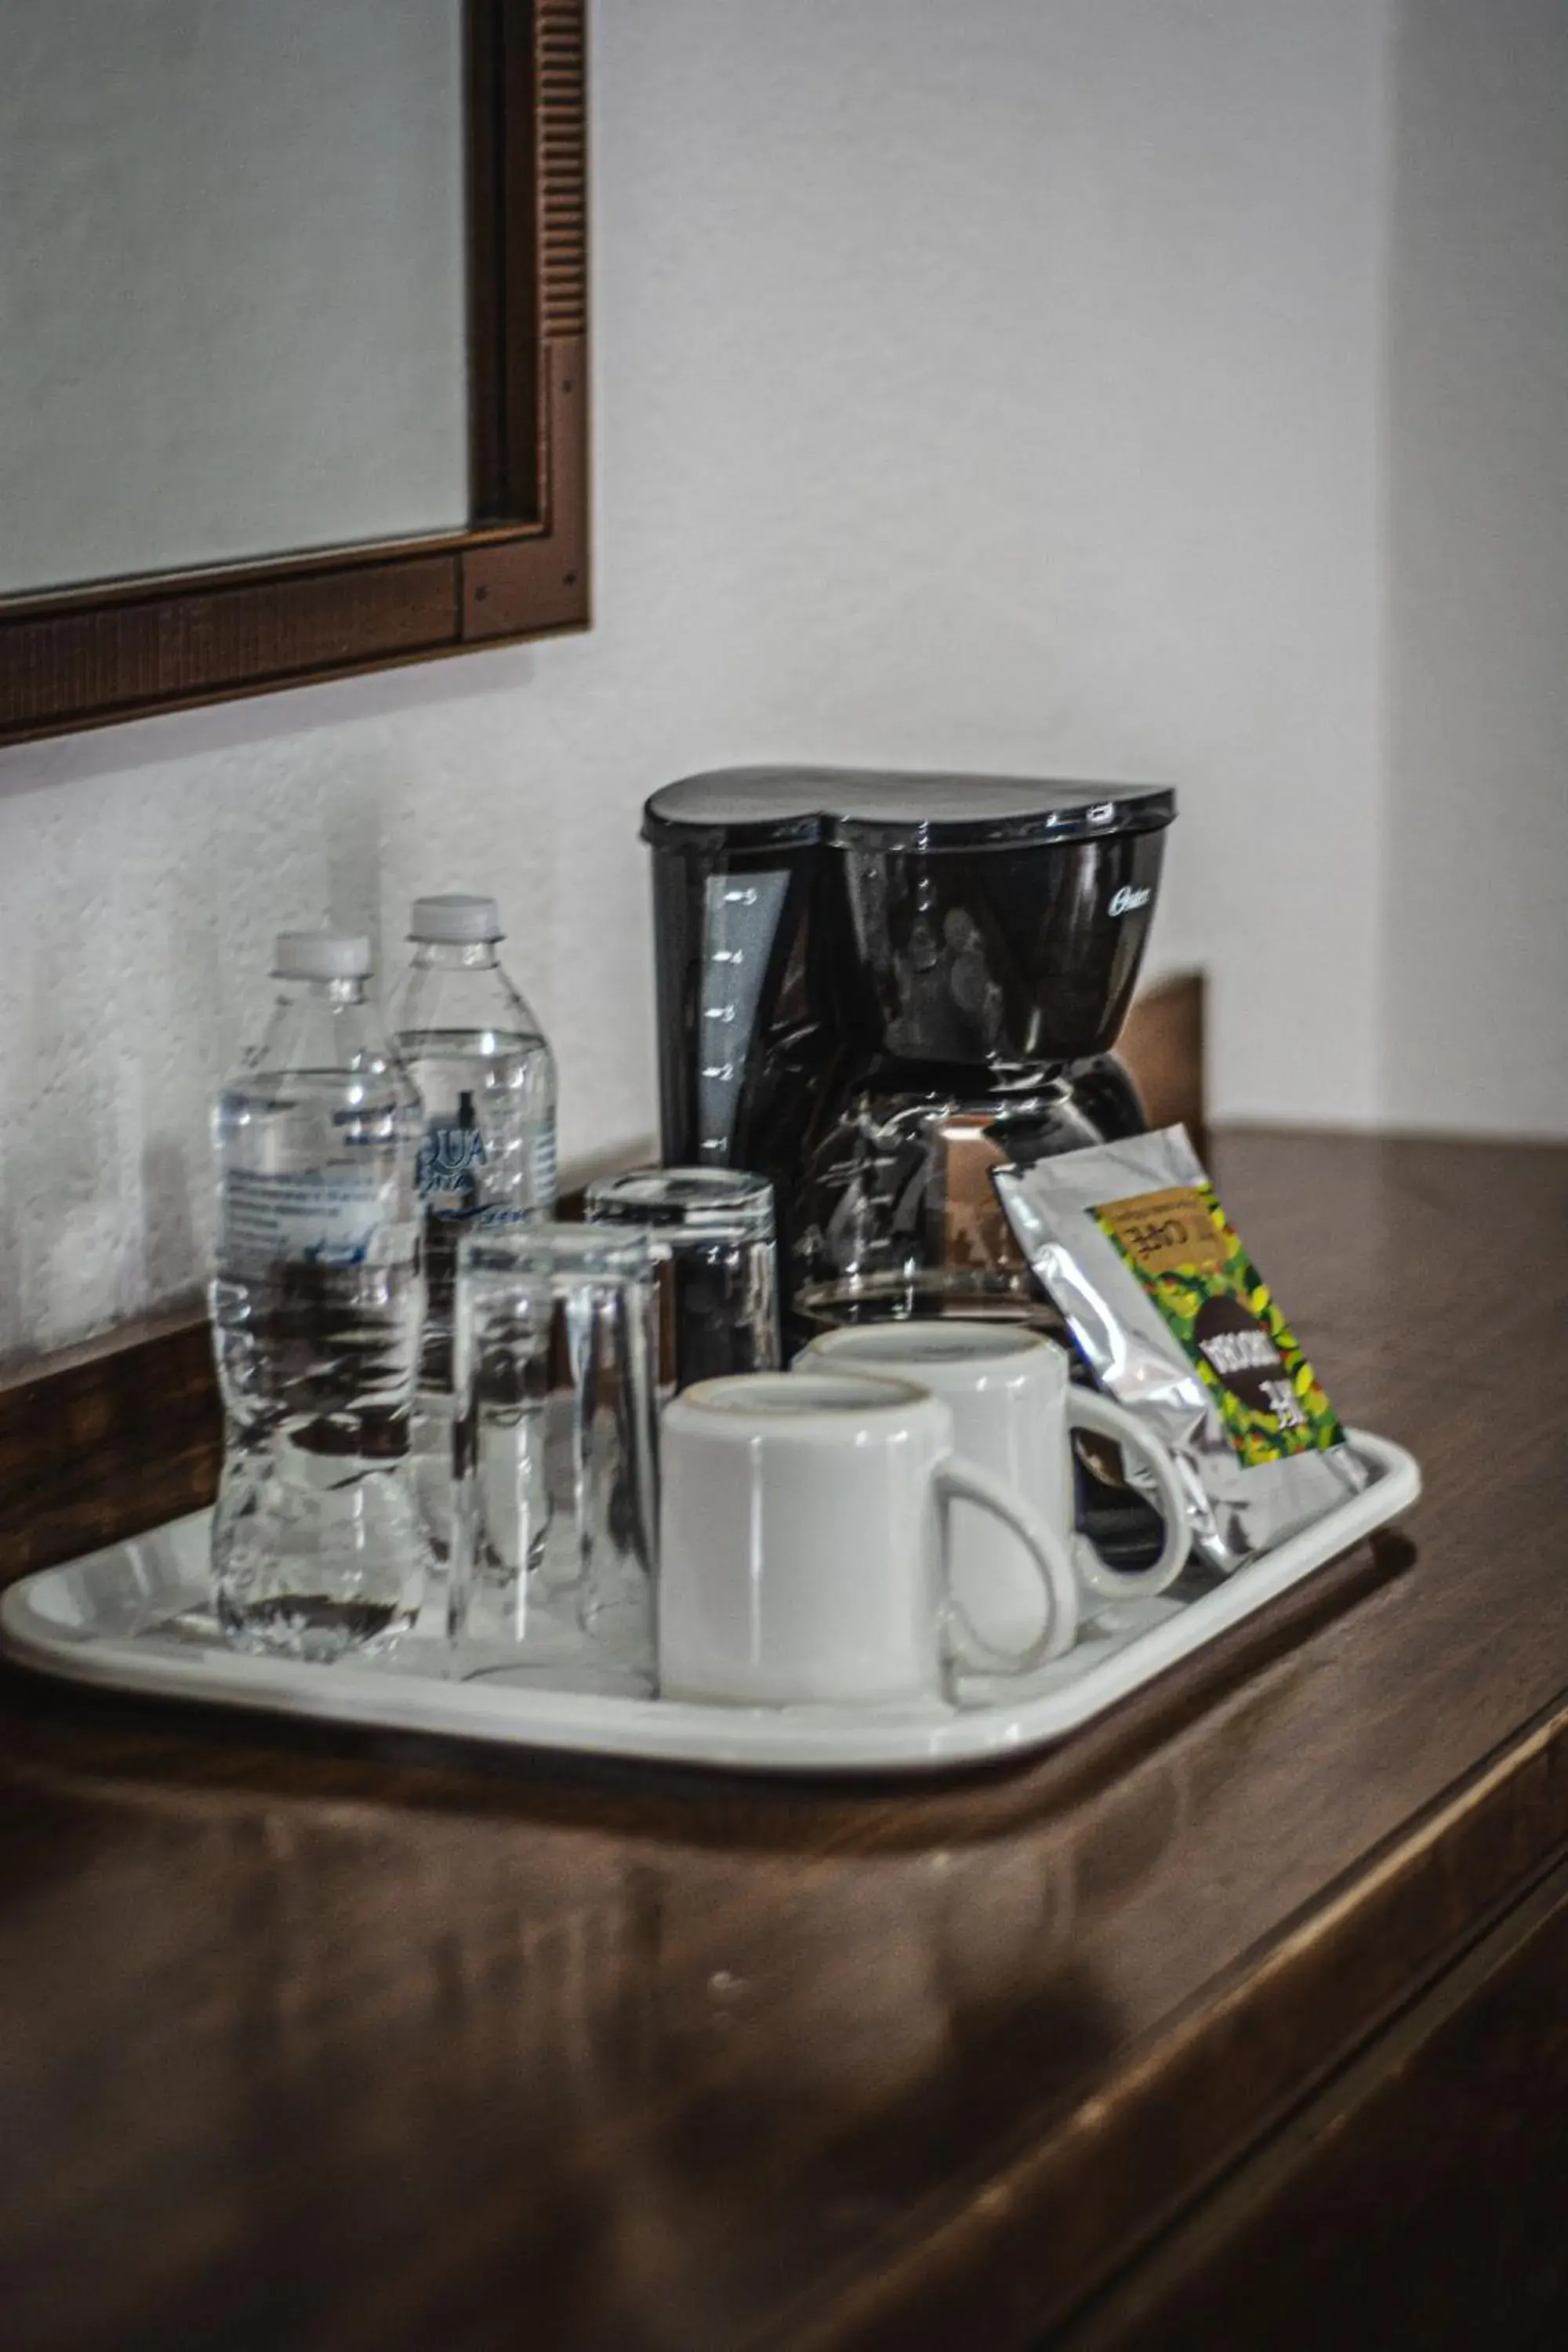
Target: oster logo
[{"x": 1127, "y": 901}]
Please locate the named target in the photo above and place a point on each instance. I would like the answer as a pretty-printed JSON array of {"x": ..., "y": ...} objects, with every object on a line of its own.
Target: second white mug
[{"x": 1014, "y": 1406}]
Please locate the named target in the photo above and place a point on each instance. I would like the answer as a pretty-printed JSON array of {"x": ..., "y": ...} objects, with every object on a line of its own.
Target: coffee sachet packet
[{"x": 1177, "y": 1323}]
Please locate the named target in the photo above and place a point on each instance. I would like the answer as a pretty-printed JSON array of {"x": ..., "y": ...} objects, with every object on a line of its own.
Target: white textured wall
[
  {"x": 1475, "y": 973},
  {"x": 994, "y": 385}
]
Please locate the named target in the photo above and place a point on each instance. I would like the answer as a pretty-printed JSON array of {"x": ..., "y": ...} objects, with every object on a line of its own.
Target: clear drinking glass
[
  {"x": 720, "y": 1284},
  {"x": 555, "y": 1457}
]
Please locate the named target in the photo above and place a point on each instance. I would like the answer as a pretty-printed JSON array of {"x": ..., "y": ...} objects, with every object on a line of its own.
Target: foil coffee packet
[{"x": 1176, "y": 1324}]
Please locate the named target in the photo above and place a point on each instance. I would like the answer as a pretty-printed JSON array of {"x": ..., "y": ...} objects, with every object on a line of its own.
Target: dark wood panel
[
  {"x": 562, "y": 180},
  {"x": 100, "y": 1440},
  {"x": 495, "y": 252},
  {"x": 1164, "y": 1044},
  {"x": 90, "y": 655},
  {"x": 661, "y": 2061},
  {"x": 1418, "y": 2201},
  {"x": 528, "y": 257},
  {"x": 512, "y": 583},
  {"x": 1076, "y": 2204},
  {"x": 60, "y": 666}
]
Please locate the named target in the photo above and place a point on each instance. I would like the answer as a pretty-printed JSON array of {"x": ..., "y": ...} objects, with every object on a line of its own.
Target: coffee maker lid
[{"x": 875, "y": 808}]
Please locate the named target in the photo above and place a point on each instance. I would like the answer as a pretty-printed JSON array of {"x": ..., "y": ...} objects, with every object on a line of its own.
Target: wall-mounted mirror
[{"x": 293, "y": 342}]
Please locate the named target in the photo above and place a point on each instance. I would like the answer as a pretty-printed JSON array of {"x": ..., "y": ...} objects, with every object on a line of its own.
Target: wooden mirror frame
[{"x": 88, "y": 655}]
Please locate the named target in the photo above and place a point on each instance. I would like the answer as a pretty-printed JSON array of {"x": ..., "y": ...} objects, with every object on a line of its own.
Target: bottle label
[
  {"x": 544, "y": 1169},
  {"x": 451, "y": 1161},
  {"x": 452, "y": 1166},
  {"x": 320, "y": 1216}
]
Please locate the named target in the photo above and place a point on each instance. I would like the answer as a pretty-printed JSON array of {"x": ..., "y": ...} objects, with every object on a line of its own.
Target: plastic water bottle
[
  {"x": 318, "y": 1547},
  {"x": 487, "y": 1079}
]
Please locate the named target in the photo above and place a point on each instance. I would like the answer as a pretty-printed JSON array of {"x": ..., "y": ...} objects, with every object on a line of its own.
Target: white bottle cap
[
  {"x": 455, "y": 920},
  {"x": 322, "y": 955}
]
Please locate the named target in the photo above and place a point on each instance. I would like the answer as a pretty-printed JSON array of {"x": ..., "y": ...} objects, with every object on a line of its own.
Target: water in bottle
[
  {"x": 487, "y": 1079},
  {"x": 318, "y": 1547}
]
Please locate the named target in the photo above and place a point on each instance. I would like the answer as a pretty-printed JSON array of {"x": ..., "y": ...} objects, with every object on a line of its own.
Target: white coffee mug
[
  {"x": 803, "y": 1547},
  {"x": 1014, "y": 1406}
]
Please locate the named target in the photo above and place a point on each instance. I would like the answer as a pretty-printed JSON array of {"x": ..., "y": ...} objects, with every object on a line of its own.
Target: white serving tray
[{"x": 137, "y": 1617}]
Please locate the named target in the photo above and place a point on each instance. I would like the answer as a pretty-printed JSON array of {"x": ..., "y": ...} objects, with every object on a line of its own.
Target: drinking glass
[
  {"x": 555, "y": 1457},
  {"x": 720, "y": 1277}
]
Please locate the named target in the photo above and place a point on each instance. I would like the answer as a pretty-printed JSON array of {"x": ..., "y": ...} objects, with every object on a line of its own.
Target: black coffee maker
[{"x": 874, "y": 988}]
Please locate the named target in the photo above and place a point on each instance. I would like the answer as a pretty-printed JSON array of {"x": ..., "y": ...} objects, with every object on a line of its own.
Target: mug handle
[
  {"x": 957, "y": 1479},
  {"x": 1088, "y": 1410}
]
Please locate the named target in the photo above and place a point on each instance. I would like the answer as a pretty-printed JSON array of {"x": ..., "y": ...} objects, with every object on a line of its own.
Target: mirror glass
[{"x": 232, "y": 310}]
